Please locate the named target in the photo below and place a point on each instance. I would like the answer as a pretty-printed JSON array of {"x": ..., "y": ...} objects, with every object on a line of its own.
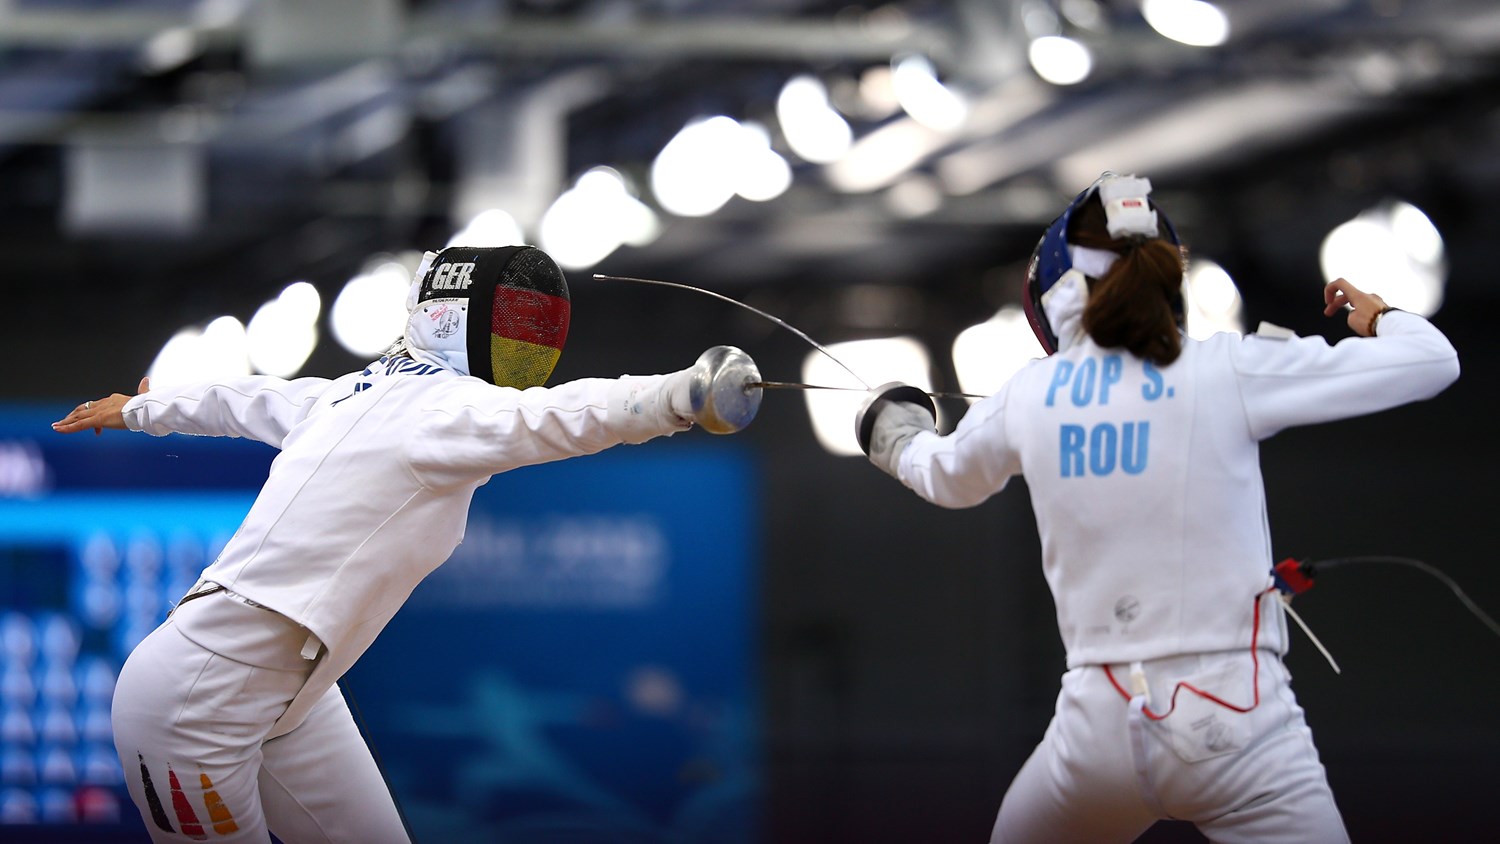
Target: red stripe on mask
[{"x": 530, "y": 316}]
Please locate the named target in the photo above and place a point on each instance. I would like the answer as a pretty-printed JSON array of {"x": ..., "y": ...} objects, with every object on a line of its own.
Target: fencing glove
[{"x": 891, "y": 415}]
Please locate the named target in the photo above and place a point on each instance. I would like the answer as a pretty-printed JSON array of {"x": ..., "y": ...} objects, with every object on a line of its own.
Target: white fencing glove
[
  {"x": 643, "y": 407},
  {"x": 891, "y": 415}
]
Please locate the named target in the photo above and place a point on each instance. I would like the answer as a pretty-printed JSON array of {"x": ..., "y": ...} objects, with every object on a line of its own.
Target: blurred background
[{"x": 756, "y": 638}]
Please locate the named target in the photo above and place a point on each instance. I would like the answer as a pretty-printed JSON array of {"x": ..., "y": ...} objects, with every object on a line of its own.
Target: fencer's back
[
  {"x": 1146, "y": 480},
  {"x": 1147, "y": 491}
]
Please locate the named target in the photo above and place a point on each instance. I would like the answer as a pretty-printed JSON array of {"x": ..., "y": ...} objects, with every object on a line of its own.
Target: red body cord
[{"x": 1254, "y": 659}]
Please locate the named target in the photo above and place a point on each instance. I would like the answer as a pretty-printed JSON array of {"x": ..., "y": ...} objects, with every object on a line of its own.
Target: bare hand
[
  {"x": 98, "y": 414},
  {"x": 1366, "y": 307}
]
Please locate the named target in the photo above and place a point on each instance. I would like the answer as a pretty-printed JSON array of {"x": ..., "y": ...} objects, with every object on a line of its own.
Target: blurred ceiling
[{"x": 179, "y": 159}]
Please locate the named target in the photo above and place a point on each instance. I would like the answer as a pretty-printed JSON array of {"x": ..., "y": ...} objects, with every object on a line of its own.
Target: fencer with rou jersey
[
  {"x": 369, "y": 494},
  {"x": 1148, "y": 497}
]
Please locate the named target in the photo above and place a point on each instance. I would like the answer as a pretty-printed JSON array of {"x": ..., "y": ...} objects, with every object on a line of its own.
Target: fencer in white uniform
[
  {"x": 227, "y": 717},
  {"x": 1143, "y": 470}
]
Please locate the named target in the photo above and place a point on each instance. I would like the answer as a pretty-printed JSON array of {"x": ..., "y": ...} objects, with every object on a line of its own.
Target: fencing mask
[
  {"x": 499, "y": 314},
  {"x": 1056, "y": 276}
]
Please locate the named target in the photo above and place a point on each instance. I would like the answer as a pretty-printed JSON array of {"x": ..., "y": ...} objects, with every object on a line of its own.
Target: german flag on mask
[{"x": 523, "y": 293}]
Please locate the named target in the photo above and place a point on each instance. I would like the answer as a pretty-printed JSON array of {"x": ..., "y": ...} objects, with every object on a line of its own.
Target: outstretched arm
[
  {"x": 478, "y": 429},
  {"x": 260, "y": 407},
  {"x": 1397, "y": 357},
  {"x": 98, "y": 414}
]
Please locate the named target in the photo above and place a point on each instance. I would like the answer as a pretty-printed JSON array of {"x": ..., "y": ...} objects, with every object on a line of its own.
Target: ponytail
[
  {"x": 1135, "y": 305},
  {"x": 1131, "y": 306}
]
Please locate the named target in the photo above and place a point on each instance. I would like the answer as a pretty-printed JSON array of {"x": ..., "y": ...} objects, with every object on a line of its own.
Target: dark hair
[{"x": 1135, "y": 305}]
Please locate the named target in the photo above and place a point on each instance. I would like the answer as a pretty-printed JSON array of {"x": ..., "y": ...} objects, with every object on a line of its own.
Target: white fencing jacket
[
  {"x": 372, "y": 487},
  {"x": 1146, "y": 482}
]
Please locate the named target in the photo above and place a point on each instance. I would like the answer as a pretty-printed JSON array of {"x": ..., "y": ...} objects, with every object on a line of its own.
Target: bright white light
[
  {"x": 1393, "y": 251},
  {"x": 711, "y": 160},
  {"x": 488, "y": 229},
  {"x": 877, "y": 92},
  {"x": 763, "y": 175},
  {"x": 927, "y": 100},
  {"x": 302, "y": 301},
  {"x": 1190, "y": 22},
  {"x": 594, "y": 218},
  {"x": 175, "y": 362},
  {"x": 1212, "y": 300},
  {"x": 218, "y": 351},
  {"x": 986, "y": 355},
  {"x": 1059, "y": 60},
  {"x": 222, "y": 349},
  {"x": 812, "y": 128},
  {"x": 370, "y": 312},
  {"x": 878, "y": 361},
  {"x": 169, "y": 49},
  {"x": 881, "y": 157},
  {"x": 690, "y": 177},
  {"x": 1416, "y": 233},
  {"x": 284, "y": 331}
]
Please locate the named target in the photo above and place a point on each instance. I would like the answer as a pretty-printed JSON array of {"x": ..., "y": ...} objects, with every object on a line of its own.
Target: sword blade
[
  {"x": 751, "y": 308},
  {"x": 792, "y": 385}
]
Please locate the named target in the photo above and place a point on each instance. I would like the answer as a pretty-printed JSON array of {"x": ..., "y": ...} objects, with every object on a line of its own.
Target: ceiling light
[
  {"x": 1212, "y": 301},
  {"x": 927, "y": 100},
  {"x": 283, "y": 332},
  {"x": 690, "y": 177},
  {"x": 370, "y": 312},
  {"x": 809, "y": 123},
  {"x": 1059, "y": 60},
  {"x": 986, "y": 355},
  {"x": 594, "y": 218},
  {"x": 877, "y": 92},
  {"x": 762, "y": 174},
  {"x": 1392, "y": 250},
  {"x": 490, "y": 228},
  {"x": 882, "y": 157},
  {"x": 169, "y": 50},
  {"x": 1190, "y": 22},
  {"x": 218, "y": 351}
]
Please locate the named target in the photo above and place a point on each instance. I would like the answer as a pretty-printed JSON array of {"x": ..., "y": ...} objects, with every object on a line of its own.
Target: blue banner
[
  {"x": 580, "y": 668},
  {"x": 583, "y": 662}
]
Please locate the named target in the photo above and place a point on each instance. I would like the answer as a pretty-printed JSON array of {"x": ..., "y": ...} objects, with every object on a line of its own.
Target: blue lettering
[
  {"x": 1107, "y": 446},
  {"x": 1152, "y": 389},
  {"x": 1071, "y": 448},
  {"x": 1060, "y": 377},
  {"x": 1083, "y": 388},
  {"x": 1133, "y": 456},
  {"x": 1102, "y": 449},
  {"x": 1113, "y": 368}
]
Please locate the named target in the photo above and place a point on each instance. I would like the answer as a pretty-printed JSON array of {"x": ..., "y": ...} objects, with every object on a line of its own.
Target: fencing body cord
[{"x": 1293, "y": 577}]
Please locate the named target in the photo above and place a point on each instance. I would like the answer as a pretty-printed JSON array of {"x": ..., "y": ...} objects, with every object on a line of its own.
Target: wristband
[{"x": 1375, "y": 320}]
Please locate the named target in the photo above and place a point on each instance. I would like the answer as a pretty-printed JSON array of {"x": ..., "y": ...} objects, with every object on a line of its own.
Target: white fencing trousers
[
  {"x": 1105, "y": 772},
  {"x": 192, "y": 708}
]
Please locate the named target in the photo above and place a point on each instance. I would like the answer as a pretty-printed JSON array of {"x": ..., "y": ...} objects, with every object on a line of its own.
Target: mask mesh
[{"x": 528, "y": 320}]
